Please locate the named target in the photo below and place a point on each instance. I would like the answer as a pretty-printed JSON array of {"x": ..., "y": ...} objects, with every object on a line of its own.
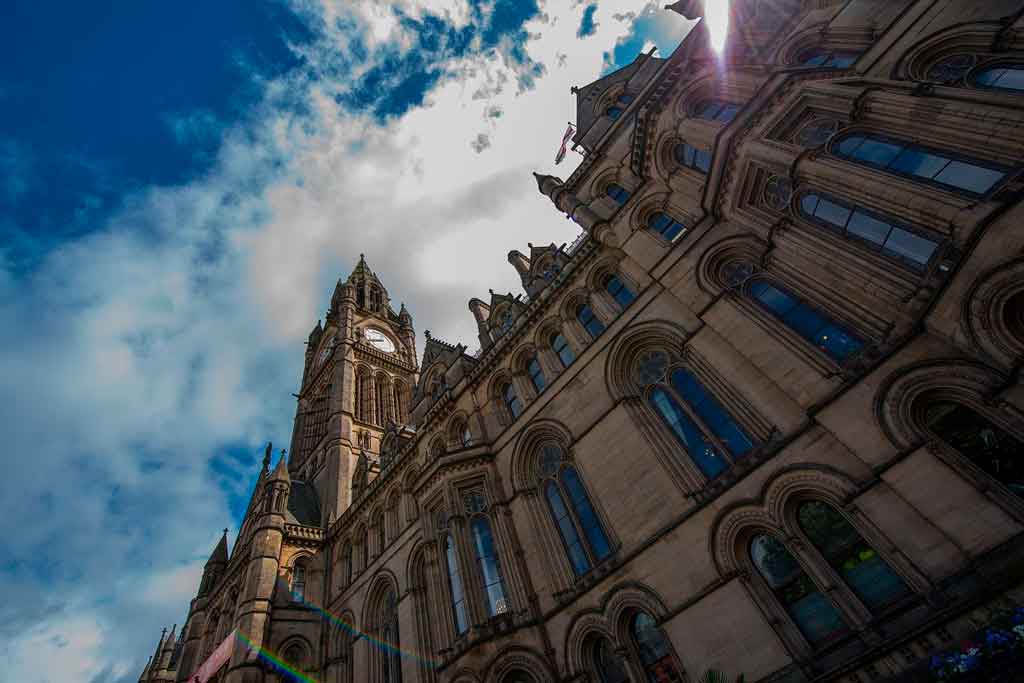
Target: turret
[
  {"x": 162, "y": 668},
  {"x": 144, "y": 676},
  {"x": 215, "y": 565},
  {"x": 521, "y": 264},
  {"x": 571, "y": 205},
  {"x": 407, "y": 332},
  {"x": 153, "y": 665},
  {"x": 481, "y": 312}
]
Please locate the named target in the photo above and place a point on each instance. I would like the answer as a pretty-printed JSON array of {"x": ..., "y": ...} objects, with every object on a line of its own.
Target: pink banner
[{"x": 215, "y": 661}]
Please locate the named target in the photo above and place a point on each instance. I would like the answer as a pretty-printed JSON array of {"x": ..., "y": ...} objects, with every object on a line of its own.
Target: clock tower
[{"x": 358, "y": 378}]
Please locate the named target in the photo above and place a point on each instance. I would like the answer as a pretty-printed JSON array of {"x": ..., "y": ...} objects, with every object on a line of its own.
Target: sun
[{"x": 716, "y": 14}]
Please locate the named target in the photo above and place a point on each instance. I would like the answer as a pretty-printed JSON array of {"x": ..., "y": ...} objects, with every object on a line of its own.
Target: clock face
[{"x": 379, "y": 340}]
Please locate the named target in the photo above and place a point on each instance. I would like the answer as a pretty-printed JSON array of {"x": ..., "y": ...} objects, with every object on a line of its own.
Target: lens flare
[{"x": 716, "y": 14}]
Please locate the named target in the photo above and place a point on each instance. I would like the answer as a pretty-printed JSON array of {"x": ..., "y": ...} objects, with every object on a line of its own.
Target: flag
[{"x": 565, "y": 141}]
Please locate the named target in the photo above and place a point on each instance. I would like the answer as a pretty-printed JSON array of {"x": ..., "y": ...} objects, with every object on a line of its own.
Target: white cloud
[{"x": 138, "y": 351}]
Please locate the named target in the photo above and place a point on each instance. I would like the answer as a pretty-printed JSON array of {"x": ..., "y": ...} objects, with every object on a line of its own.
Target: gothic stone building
[{"x": 765, "y": 416}]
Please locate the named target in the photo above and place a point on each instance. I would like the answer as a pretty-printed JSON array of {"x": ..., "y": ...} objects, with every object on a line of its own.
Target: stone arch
[
  {"x": 408, "y": 486},
  {"x": 378, "y": 587},
  {"x": 580, "y": 295},
  {"x": 341, "y": 635},
  {"x": 974, "y": 38},
  {"x": 897, "y": 406},
  {"x": 608, "y": 264},
  {"x": 584, "y": 625},
  {"x": 993, "y": 313},
  {"x": 597, "y": 188},
  {"x": 530, "y": 438},
  {"x": 788, "y": 53},
  {"x": 297, "y": 651},
  {"x": 436, "y": 446},
  {"x": 466, "y": 675},
  {"x": 697, "y": 90},
  {"x": 518, "y": 658},
  {"x": 625, "y": 599},
  {"x": 712, "y": 274},
  {"x": 628, "y": 349},
  {"x": 733, "y": 525},
  {"x": 545, "y": 330},
  {"x": 458, "y": 424}
]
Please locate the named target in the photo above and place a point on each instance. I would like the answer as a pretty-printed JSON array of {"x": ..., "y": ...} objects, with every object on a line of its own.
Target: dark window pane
[
  {"x": 877, "y": 152},
  {"x": 970, "y": 177},
  {"x": 987, "y": 445},
  {"x": 536, "y": 374},
  {"x": 585, "y": 514},
  {"x": 918, "y": 162},
  {"x": 654, "y": 651},
  {"x": 711, "y": 412},
  {"x": 573, "y": 545},
  {"x": 843, "y": 61},
  {"x": 805, "y": 320},
  {"x": 837, "y": 342},
  {"x": 700, "y": 450},
  {"x": 868, "y": 228},
  {"x": 607, "y": 665},
  {"x": 702, "y": 160},
  {"x": 455, "y": 583},
  {"x": 849, "y": 145},
  {"x": 1011, "y": 79},
  {"x": 728, "y": 113},
  {"x": 614, "y": 112},
  {"x": 772, "y": 298},
  {"x": 809, "y": 203},
  {"x": 833, "y": 213},
  {"x": 909, "y": 246},
  {"x": 813, "y": 59},
  {"x": 659, "y": 222},
  {"x": 487, "y": 561}
]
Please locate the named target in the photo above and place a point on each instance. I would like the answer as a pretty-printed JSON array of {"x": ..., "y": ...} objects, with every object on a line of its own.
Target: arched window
[
  {"x": 346, "y": 565},
  {"x": 816, "y": 327},
  {"x": 716, "y": 110},
  {"x": 294, "y": 655},
  {"x": 711, "y": 437},
  {"x": 364, "y": 549},
  {"x": 593, "y": 326},
  {"x": 374, "y": 298},
  {"x": 622, "y": 294},
  {"x": 505, "y": 321},
  {"x": 653, "y": 650},
  {"x": 816, "y": 132},
  {"x": 665, "y": 225},
  {"x": 815, "y": 616},
  {"x": 1001, "y": 77},
  {"x": 867, "y": 574},
  {"x": 618, "y": 193},
  {"x": 693, "y": 158},
  {"x": 362, "y": 395},
  {"x": 536, "y": 374},
  {"x": 828, "y": 59},
  {"x": 585, "y": 540},
  {"x": 391, "y": 659},
  {"x": 455, "y": 584},
  {"x": 380, "y": 530},
  {"x": 871, "y": 229},
  {"x": 562, "y": 349},
  {"x": 512, "y": 402},
  {"x": 488, "y": 565},
  {"x": 460, "y": 434},
  {"x": 990, "y": 447},
  {"x": 607, "y": 666},
  {"x": 400, "y": 404},
  {"x": 615, "y": 111},
  {"x": 299, "y": 581},
  {"x": 954, "y": 172},
  {"x": 381, "y": 408}
]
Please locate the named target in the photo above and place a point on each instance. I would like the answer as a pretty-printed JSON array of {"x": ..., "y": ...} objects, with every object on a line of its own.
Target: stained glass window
[
  {"x": 703, "y": 453},
  {"x": 978, "y": 439},
  {"x": 562, "y": 348},
  {"x": 574, "y": 516},
  {"x": 508, "y": 394},
  {"x": 812, "y": 612},
  {"x": 653, "y": 649},
  {"x": 1001, "y": 77},
  {"x": 861, "y": 567},
  {"x": 651, "y": 367},
  {"x": 536, "y": 374},
  {"x": 971, "y": 176},
  {"x": 951, "y": 70}
]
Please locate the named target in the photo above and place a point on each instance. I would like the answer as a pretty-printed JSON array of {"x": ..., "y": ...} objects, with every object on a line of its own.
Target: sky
[{"x": 181, "y": 184}]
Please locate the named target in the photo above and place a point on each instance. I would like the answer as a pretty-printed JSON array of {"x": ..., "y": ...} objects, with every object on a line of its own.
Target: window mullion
[
  {"x": 701, "y": 425},
  {"x": 574, "y": 519}
]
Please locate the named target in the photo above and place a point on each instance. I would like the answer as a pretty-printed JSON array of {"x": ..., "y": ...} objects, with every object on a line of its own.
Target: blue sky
[{"x": 181, "y": 185}]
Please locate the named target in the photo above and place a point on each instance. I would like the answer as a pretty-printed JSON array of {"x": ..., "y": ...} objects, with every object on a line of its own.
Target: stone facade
[{"x": 765, "y": 416}]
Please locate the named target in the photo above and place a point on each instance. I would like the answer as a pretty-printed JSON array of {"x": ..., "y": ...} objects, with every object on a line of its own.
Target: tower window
[
  {"x": 618, "y": 193},
  {"x": 622, "y": 294},
  {"x": 536, "y": 374},
  {"x": 562, "y": 349},
  {"x": 512, "y": 402},
  {"x": 593, "y": 326},
  {"x": 665, "y": 225},
  {"x": 299, "y": 582}
]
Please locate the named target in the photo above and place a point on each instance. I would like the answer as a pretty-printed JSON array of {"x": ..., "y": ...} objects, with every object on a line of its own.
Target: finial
[
  {"x": 266, "y": 455},
  {"x": 530, "y": 245},
  {"x": 574, "y": 90},
  {"x": 225, "y": 533},
  {"x": 491, "y": 291}
]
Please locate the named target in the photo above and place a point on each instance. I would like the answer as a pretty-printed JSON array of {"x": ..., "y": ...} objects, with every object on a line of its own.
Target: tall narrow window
[
  {"x": 381, "y": 531},
  {"x": 876, "y": 232},
  {"x": 562, "y": 349},
  {"x": 455, "y": 584},
  {"x": 391, "y": 659},
  {"x": 817, "y": 328},
  {"x": 512, "y": 402},
  {"x": 536, "y": 374},
  {"x": 585, "y": 540},
  {"x": 867, "y": 574},
  {"x": 299, "y": 582},
  {"x": 618, "y": 193},
  {"x": 488, "y": 565},
  {"x": 607, "y": 666},
  {"x": 665, "y": 225},
  {"x": 970, "y": 176},
  {"x": 593, "y": 326},
  {"x": 990, "y": 447},
  {"x": 622, "y": 294},
  {"x": 689, "y": 156},
  {"x": 1001, "y": 77},
  {"x": 653, "y": 649},
  {"x": 809, "y": 609},
  {"x": 346, "y": 565},
  {"x": 716, "y": 110}
]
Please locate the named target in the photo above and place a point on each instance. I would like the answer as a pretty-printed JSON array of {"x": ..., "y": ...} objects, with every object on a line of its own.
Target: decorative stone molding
[{"x": 990, "y": 326}]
